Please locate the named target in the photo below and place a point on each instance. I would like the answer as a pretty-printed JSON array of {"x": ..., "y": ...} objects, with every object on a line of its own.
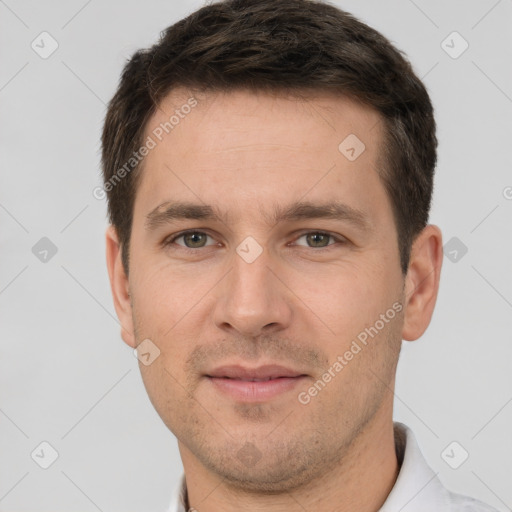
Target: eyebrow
[{"x": 170, "y": 211}]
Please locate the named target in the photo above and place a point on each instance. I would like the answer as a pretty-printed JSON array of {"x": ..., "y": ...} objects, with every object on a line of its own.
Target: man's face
[{"x": 246, "y": 291}]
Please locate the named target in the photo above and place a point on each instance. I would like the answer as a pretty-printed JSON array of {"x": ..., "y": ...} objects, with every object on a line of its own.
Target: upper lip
[{"x": 271, "y": 371}]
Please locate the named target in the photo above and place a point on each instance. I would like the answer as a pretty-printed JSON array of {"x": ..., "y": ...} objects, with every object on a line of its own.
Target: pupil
[
  {"x": 194, "y": 237},
  {"x": 318, "y": 235}
]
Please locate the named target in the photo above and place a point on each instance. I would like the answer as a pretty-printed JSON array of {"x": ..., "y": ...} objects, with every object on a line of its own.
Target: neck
[{"x": 362, "y": 480}]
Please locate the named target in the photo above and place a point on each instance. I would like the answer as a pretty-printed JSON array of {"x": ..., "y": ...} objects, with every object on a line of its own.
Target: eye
[
  {"x": 192, "y": 239},
  {"x": 319, "y": 239}
]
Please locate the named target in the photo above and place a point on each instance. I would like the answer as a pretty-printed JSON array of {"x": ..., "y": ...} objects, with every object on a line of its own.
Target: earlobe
[
  {"x": 119, "y": 286},
  {"x": 422, "y": 282}
]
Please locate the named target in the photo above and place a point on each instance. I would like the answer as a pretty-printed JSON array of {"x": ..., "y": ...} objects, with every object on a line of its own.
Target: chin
[{"x": 274, "y": 469}]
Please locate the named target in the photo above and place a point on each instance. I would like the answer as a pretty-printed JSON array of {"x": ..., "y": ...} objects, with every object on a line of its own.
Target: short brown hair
[{"x": 279, "y": 46}]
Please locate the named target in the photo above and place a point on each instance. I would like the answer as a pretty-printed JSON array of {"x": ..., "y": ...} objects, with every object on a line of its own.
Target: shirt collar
[{"x": 417, "y": 488}]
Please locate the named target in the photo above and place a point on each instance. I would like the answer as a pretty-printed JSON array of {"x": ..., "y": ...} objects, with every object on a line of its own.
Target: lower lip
[{"x": 255, "y": 391}]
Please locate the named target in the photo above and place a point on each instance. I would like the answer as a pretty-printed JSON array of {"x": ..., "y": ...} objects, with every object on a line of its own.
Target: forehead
[
  {"x": 256, "y": 146},
  {"x": 271, "y": 112}
]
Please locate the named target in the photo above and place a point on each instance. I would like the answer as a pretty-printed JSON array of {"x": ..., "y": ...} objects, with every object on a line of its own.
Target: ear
[
  {"x": 422, "y": 281},
  {"x": 119, "y": 286}
]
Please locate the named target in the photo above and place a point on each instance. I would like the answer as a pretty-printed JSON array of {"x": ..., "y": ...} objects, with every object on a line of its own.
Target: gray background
[{"x": 67, "y": 378}]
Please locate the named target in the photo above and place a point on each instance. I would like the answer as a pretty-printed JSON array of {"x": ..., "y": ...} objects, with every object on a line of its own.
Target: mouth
[{"x": 254, "y": 384}]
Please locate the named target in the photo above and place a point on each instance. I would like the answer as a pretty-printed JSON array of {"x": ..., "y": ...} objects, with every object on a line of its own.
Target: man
[{"x": 269, "y": 169}]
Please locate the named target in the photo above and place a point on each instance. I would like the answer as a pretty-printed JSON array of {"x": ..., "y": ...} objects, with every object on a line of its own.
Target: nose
[{"x": 253, "y": 298}]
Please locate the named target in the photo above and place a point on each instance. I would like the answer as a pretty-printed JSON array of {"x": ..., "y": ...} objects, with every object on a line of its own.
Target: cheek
[
  {"x": 160, "y": 314},
  {"x": 350, "y": 294},
  {"x": 163, "y": 296},
  {"x": 166, "y": 389},
  {"x": 361, "y": 305}
]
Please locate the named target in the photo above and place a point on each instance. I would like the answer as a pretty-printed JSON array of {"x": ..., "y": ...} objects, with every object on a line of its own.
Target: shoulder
[
  {"x": 462, "y": 503},
  {"x": 418, "y": 485}
]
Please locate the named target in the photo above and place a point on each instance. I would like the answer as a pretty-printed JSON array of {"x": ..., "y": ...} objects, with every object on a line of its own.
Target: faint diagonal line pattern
[
  {"x": 11, "y": 420},
  {"x": 88, "y": 497},
  {"x": 13, "y": 279},
  {"x": 76, "y": 14},
  {"x": 14, "y": 486},
  {"x": 13, "y": 13},
  {"x": 330, "y": 330},
  {"x": 190, "y": 189},
  {"x": 491, "y": 285},
  {"x": 311, "y": 188},
  {"x": 279, "y": 424},
  {"x": 492, "y": 81},
  {"x": 74, "y": 218},
  {"x": 202, "y": 297},
  {"x": 486, "y": 14},
  {"x": 407, "y": 503},
  {"x": 14, "y": 218},
  {"x": 90, "y": 294},
  {"x": 506, "y": 505},
  {"x": 445, "y": 81},
  {"x": 81, "y": 80},
  {"x": 101, "y": 398},
  {"x": 492, "y": 211},
  {"x": 296, "y": 501},
  {"x": 431, "y": 69},
  {"x": 199, "y": 403},
  {"x": 424, "y": 13},
  {"x": 410, "y": 409},
  {"x": 14, "y": 76},
  {"x": 317, "y": 182},
  {"x": 210, "y": 493},
  {"x": 420, "y": 283},
  {"x": 323, "y": 118},
  {"x": 492, "y": 419}
]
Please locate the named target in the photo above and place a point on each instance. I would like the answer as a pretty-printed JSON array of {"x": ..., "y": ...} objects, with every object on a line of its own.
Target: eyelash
[{"x": 169, "y": 241}]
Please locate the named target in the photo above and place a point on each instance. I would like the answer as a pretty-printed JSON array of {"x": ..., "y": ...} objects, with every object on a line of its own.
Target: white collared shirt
[{"x": 417, "y": 488}]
